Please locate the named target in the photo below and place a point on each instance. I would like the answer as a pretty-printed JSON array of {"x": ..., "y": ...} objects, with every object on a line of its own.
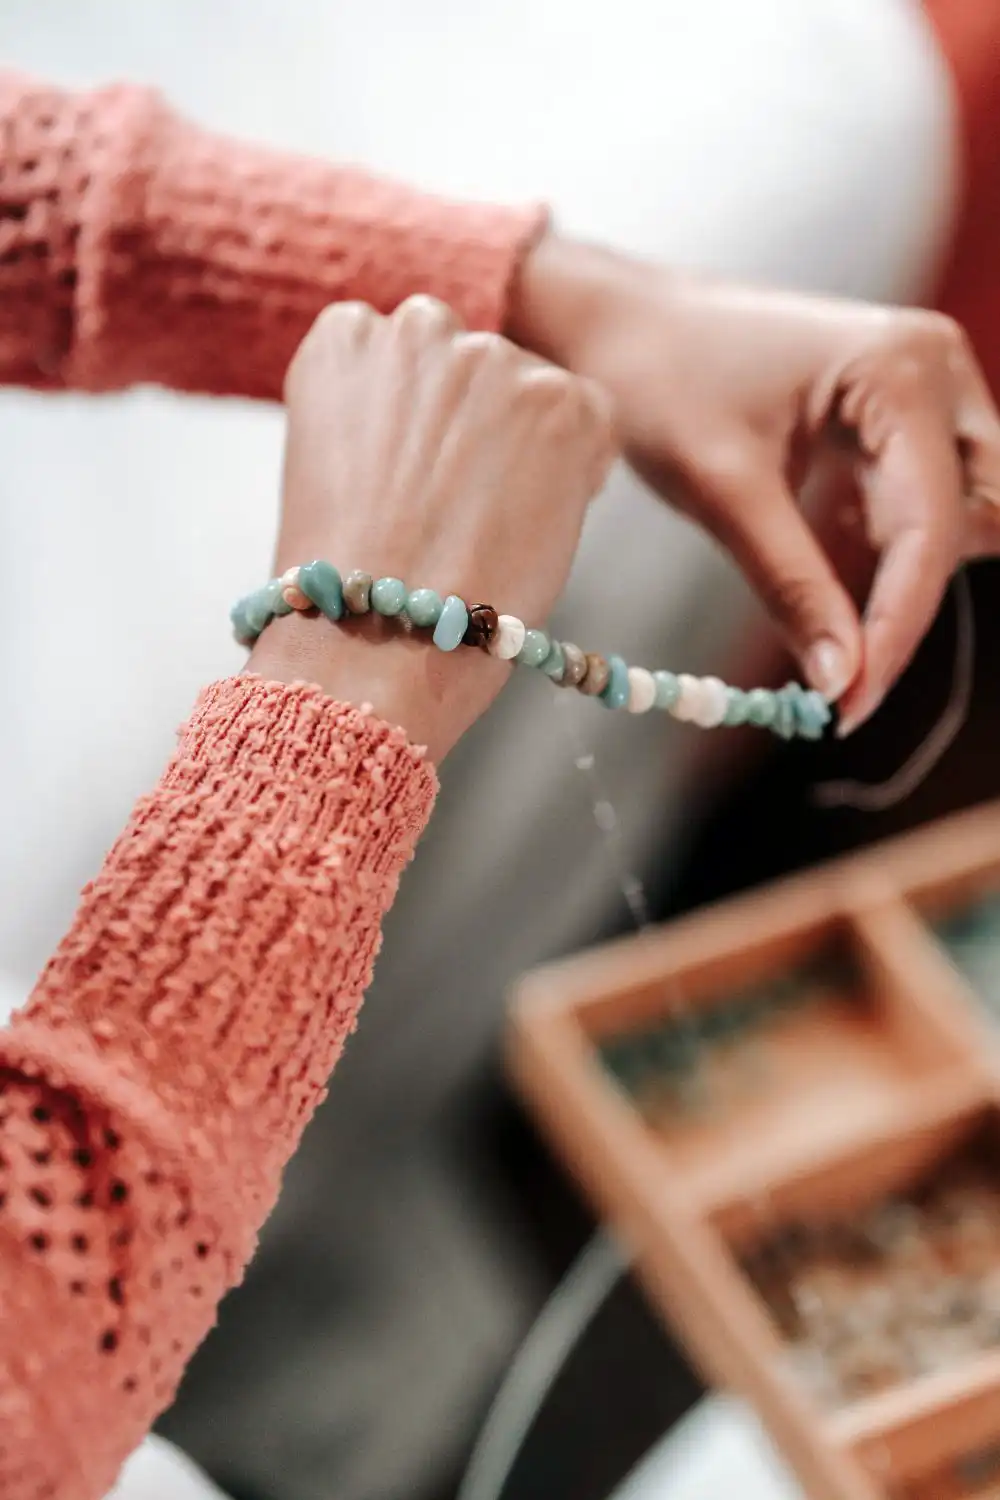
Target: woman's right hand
[{"x": 451, "y": 460}]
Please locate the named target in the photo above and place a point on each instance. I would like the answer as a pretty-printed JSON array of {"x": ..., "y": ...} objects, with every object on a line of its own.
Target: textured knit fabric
[
  {"x": 162, "y": 1072},
  {"x": 136, "y": 248}
]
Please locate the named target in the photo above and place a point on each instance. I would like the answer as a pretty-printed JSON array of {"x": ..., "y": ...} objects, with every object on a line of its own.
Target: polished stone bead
[
  {"x": 555, "y": 663},
  {"x": 509, "y": 637},
  {"x": 241, "y": 625},
  {"x": 597, "y": 676},
  {"x": 358, "y": 592},
  {"x": 535, "y": 649},
  {"x": 667, "y": 689},
  {"x": 389, "y": 596},
  {"x": 484, "y": 622},
  {"x": 712, "y": 703},
  {"x": 320, "y": 582},
  {"x": 424, "y": 607},
  {"x": 452, "y": 624},
  {"x": 761, "y": 707},
  {"x": 812, "y": 714},
  {"x": 784, "y": 712},
  {"x": 641, "y": 690},
  {"x": 258, "y": 609},
  {"x": 279, "y": 604},
  {"x": 574, "y": 665},
  {"x": 688, "y": 703},
  {"x": 736, "y": 707},
  {"x": 616, "y": 692}
]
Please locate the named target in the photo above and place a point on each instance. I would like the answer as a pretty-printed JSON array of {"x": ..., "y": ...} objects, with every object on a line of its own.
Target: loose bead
[
  {"x": 641, "y": 690},
  {"x": 389, "y": 596},
  {"x": 667, "y": 689},
  {"x": 736, "y": 707},
  {"x": 555, "y": 663},
  {"x": 535, "y": 649},
  {"x": 484, "y": 622},
  {"x": 509, "y": 638},
  {"x": 761, "y": 707},
  {"x": 616, "y": 693},
  {"x": 452, "y": 624},
  {"x": 712, "y": 703},
  {"x": 320, "y": 582},
  {"x": 424, "y": 607},
  {"x": 358, "y": 592},
  {"x": 596, "y": 679},
  {"x": 688, "y": 698},
  {"x": 575, "y": 665}
]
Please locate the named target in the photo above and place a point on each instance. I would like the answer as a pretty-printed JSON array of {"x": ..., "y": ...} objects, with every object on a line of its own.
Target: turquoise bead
[
  {"x": 555, "y": 663},
  {"x": 761, "y": 707},
  {"x": 424, "y": 607},
  {"x": 668, "y": 690},
  {"x": 812, "y": 715},
  {"x": 737, "y": 707},
  {"x": 784, "y": 712},
  {"x": 258, "y": 610},
  {"x": 320, "y": 582},
  {"x": 615, "y": 695},
  {"x": 535, "y": 649},
  {"x": 388, "y": 596},
  {"x": 240, "y": 623},
  {"x": 452, "y": 623},
  {"x": 279, "y": 605}
]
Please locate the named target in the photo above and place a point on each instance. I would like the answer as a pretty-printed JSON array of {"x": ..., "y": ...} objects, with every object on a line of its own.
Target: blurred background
[{"x": 812, "y": 143}]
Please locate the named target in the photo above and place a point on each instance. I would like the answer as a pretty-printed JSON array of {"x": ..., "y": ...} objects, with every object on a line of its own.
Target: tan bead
[
  {"x": 358, "y": 592},
  {"x": 575, "y": 669},
  {"x": 294, "y": 597},
  {"x": 596, "y": 678}
]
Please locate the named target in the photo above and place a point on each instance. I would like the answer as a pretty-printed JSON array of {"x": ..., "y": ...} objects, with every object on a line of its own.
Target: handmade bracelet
[{"x": 792, "y": 711}]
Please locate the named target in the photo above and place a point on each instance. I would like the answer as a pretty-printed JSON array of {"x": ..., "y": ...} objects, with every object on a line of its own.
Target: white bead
[
  {"x": 509, "y": 637},
  {"x": 641, "y": 690},
  {"x": 688, "y": 699},
  {"x": 713, "y": 701},
  {"x": 290, "y": 579}
]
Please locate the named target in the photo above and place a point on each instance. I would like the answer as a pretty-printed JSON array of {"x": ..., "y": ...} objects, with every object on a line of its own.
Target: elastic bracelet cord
[{"x": 791, "y": 712}]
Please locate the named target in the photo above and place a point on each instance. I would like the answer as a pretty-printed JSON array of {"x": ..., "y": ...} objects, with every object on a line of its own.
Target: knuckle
[
  {"x": 335, "y": 325},
  {"x": 425, "y": 315},
  {"x": 792, "y": 597}
]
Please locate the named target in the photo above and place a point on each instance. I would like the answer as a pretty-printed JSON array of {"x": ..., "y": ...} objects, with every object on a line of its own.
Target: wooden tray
[{"x": 862, "y": 1077}]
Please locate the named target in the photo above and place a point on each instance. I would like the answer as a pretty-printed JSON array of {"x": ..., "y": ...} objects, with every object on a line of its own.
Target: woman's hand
[
  {"x": 724, "y": 396},
  {"x": 453, "y": 461}
]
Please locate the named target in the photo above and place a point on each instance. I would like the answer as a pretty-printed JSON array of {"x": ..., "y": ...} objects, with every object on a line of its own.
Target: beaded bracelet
[{"x": 791, "y": 712}]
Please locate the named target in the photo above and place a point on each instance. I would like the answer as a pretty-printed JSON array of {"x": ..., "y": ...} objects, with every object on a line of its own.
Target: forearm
[
  {"x": 174, "y": 1049},
  {"x": 137, "y": 248}
]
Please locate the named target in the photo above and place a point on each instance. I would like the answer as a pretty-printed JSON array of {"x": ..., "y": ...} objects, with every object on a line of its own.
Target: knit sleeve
[
  {"x": 137, "y": 248},
  {"x": 161, "y": 1074}
]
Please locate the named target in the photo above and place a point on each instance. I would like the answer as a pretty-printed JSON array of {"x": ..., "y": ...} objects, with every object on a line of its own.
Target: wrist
[
  {"x": 433, "y": 698},
  {"x": 559, "y": 297}
]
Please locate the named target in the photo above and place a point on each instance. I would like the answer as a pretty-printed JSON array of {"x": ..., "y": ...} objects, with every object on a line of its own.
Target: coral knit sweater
[{"x": 160, "y": 1076}]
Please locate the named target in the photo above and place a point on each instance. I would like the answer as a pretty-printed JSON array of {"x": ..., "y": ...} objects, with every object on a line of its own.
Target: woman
[{"x": 154, "y": 1086}]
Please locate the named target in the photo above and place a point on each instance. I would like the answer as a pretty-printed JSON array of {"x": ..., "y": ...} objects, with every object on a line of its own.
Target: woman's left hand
[{"x": 726, "y": 395}]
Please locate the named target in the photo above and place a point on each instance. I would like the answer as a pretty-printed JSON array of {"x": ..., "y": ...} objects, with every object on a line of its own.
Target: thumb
[{"x": 757, "y": 520}]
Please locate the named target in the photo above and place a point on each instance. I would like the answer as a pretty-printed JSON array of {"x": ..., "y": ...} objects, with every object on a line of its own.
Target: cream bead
[
  {"x": 641, "y": 690},
  {"x": 688, "y": 698},
  {"x": 290, "y": 591},
  {"x": 509, "y": 637},
  {"x": 713, "y": 701}
]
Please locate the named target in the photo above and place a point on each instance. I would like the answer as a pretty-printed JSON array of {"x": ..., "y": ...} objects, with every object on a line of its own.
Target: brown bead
[
  {"x": 575, "y": 669},
  {"x": 598, "y": 672},
  {"x": 483, "y": 625},
  {"x": 358, "y": 593}
]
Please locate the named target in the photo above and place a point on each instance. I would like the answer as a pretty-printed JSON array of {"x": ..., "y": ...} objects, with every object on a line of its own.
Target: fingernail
[{"x": 828, "y": 669}]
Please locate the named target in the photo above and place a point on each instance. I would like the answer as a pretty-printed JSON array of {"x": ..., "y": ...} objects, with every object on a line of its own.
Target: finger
[
  {"x": 913, "y": 493},
  {"x": 757, "y": 520}
]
